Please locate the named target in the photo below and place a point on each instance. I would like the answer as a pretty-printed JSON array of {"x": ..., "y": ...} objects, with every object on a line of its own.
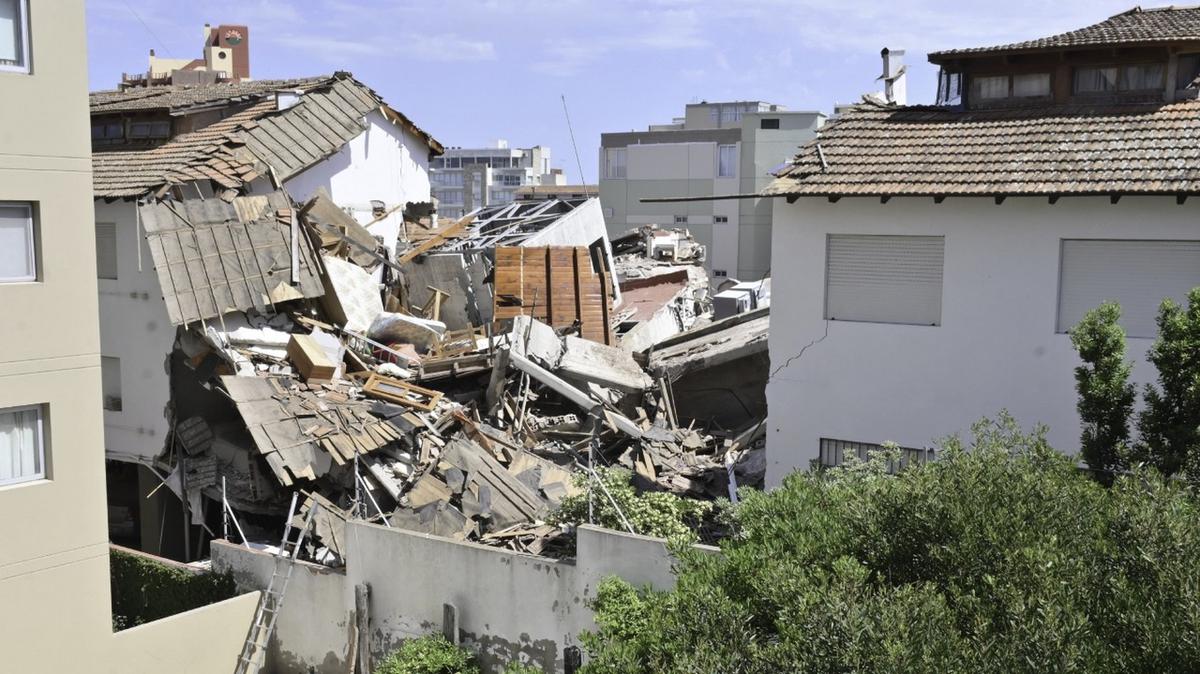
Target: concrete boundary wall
[{"x": 510, "y": 606}]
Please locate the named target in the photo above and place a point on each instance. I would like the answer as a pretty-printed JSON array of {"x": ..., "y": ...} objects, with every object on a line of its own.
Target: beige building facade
[{"x": 55, "y": 613}]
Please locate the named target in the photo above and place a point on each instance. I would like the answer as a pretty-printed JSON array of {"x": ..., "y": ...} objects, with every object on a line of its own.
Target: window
[
  {"x": 989, "y": 88},
  {"x": 884, "y": 279},
  {"x": 14, "y": 36},
  {"x": 107, "y": 133},
  {"x": 1188, "y": 71},
  {"x": 1031, "y": 85},
  {"x": 149, "y": 129},
  {"x": 720, "y": 219},
  {"x": 511, "y": 179},
  {"x": 720, "y": 272},
  {"x": 1142, "y": 77},
  {"x": 834, "y": 453},
  {"x": 1095, "y": 80},
  {"x": 106, "y": 250},
  {"x": 110, "y": 382},
  {"x": 726, "y": 161},
  {"x": 681, "y": 219},
  {"x": 18, "y": 245},
  {"x": 769, "y": 123},
  {"x": 22, "y": 445},
  {"x": 1138, "y": 274},
  {"x": 614, "y": 162}
]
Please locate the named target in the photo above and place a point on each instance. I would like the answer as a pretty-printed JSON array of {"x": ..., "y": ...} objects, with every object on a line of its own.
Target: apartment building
[
  {"x": 464, "y": 179},
  {"x": 54, "y": 569},
  {"x": 715, "y": 149}
]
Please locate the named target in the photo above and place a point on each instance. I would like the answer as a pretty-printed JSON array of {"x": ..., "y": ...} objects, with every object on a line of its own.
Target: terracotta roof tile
[
  {"x": 1155, "y": 25},
  {"x": 877, "y": 150}
]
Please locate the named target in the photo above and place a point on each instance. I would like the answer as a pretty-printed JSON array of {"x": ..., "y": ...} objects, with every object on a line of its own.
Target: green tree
[
  {"x": 1170, "y": 423},
  {"x": 1000, "y": 557},
  {"x": 431, "y": 654},
  {"x": 660, "y": 514},
  {"x": 1106, "y": 396}
]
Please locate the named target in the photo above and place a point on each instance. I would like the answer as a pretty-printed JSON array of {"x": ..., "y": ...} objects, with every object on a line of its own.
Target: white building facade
[
  {"x": 930, "y": 261},
  {"x": 1012, "y": 278}
]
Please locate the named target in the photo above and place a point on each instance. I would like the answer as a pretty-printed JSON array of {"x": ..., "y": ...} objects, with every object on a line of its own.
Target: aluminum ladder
[{"x": 255, "y": 649}]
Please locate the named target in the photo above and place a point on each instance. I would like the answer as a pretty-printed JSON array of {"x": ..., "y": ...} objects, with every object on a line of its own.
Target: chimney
[{"x": 895, "y": 89}]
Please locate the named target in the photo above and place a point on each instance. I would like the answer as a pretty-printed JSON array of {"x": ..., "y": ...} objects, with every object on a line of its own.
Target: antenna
[{"x": 582, "y": 179}]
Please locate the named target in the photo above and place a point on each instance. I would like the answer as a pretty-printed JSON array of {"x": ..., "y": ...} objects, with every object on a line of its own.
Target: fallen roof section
[{"x": 213, "y": 257}]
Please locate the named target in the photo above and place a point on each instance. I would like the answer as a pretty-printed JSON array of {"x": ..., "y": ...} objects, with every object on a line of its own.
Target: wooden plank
[{"x": 434, "y": 240}]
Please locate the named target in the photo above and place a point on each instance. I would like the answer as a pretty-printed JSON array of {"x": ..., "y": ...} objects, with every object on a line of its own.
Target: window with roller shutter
[
  {"x": 1136, "y": 274},
  {"x": 884, "y": 278}
]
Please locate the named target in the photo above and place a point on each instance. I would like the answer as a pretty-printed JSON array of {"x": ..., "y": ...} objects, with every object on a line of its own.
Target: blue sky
[{"x": 470, "y": 72}]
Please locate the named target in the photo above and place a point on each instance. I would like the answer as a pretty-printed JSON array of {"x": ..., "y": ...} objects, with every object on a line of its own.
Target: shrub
[
  {"x": 998, "y": 558},
  {"x": 431, "y": 654},
  {"x": 518, "y": 668},
  {"x": 144, "y": 590},
  {"x": 1105, "y": 395},
  {"x": 1170, "y": 423},
  {"x": 658, "y": 514}
]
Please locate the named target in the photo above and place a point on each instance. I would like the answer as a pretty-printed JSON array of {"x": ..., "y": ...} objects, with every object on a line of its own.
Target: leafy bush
[
  {"x": 144, "y": 590},
  {"x": 431, "y": 654},
  {"x": 1170, "y": 423},
  {"x": 518, "y": 668},
  {"x": 998, "y": 558},
  {"x": 1105, "y": 394},
  {"x": 658, "y": 514}
]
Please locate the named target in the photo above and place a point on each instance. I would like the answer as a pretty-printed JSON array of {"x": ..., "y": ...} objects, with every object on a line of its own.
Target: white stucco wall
[
  {"x": 995, "y": 349},
  {"x": 384, "y": 163},
  {"x": 135, "y": 328}
]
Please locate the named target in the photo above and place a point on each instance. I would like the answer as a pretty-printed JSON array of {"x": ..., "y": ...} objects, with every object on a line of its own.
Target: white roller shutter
[
  {"x": 884, "y": 279},
  {"x": 106, "y": 250},
  {"x": 1137, "y": 274}
]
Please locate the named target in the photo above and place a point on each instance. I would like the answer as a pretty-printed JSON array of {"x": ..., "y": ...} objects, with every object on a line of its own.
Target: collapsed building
[{"x": 286, "y": 315}]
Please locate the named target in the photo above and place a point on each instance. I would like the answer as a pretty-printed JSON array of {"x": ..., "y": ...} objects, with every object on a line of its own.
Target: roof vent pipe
[{"x": 895, "y": 89}]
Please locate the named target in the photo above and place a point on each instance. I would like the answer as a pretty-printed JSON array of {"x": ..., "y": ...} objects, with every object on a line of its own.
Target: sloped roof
[
  {"x": 234, "y": 150},
  {"x": 1156, "y": 25},
  {"x": 180, "y": 99},
  {"x": 213, "y": 257},
  {"x": 879, "y": 150},
  {"x": 211, "y": 153}
]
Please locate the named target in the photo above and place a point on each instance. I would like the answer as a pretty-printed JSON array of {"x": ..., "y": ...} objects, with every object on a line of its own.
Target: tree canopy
[{"x": 998, "y": 557}]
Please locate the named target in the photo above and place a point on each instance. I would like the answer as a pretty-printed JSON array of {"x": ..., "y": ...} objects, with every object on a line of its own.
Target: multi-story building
[
  {"x": 54, "y": 568},
  {"x": 715, "y": 149},
  {"x": 464, "y": 179}
]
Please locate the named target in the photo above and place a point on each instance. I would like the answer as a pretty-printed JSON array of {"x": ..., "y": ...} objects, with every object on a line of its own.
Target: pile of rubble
[{"x": 373, "y": 408}]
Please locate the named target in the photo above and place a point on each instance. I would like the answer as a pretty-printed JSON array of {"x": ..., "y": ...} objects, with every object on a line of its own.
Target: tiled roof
[
  {"x": 1156, "y": 25},
  {"x": 234, "y": 150},
  {"x": 182, "y": 98},
  {"x": 210, "y": 153},
  {"x": 877, "y": 150}
]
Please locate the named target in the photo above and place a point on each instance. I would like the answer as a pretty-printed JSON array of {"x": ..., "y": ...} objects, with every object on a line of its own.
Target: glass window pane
[
  {"x": 1031, "y": 85},
  {"x": 1142, "y": 77},
  {"x": 12, "y": 47},
  {"x": 988, "y": 88},
  {"x": 1095, "y": 80},
  {"x": 726, "y": 161},
  {"x": 20, "y": 445},
  {"x": 16, "y": 243}
]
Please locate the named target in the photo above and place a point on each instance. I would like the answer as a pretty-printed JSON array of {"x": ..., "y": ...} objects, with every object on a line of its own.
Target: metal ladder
[{"x": 255, "y": 649}]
